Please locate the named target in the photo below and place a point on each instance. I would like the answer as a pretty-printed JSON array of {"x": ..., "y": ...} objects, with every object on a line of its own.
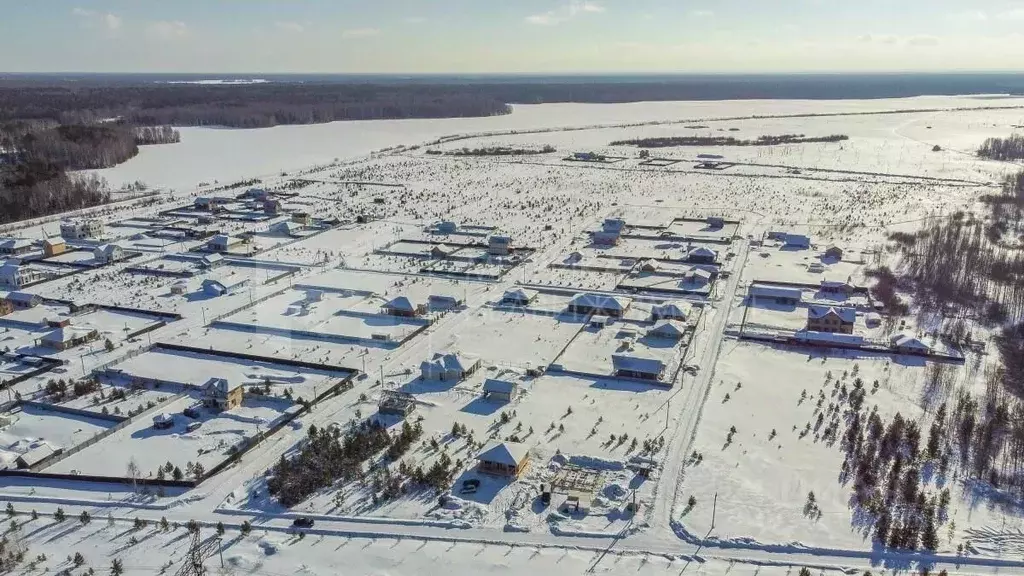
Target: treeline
[
  {"x": 147, "y": 135},
  {"x": 667, "y": 141},
  {"x": 493, "y": 151},
  {"x": 1011, "y": 148},
  {"x": 32, "y": 190},
  {"x": 252, "y": 106}
]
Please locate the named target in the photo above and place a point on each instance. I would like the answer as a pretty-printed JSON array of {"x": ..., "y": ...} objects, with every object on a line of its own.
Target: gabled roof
[
  {"x": 908, "y": 341},
  {"x": 702, "y": 252},
  {"x": 797, "y": 239},
  {"x": 212, "y": 259},
  {"x": 66, "y": 334},
  {"x": 507, "y": 453},
  {"x": 450, "y": 362},
  {"x": 637, "y": 363},
  {"x": 829, "y": 337},
  {"x": 672, "y": 309},
  {"x": 519, "y": 294},
  {"x": 695, "y": 274},
  {"x": 499, "y": 386},
  {"x": 23, "y": 297},
  {"x": 847, "y": 315},
  {"x": 400, "y": 303},
  {"x": 603, "y": 301},
  {"x": 216, "y": 386},
  {"x": 16, "y": 243},
  {"x": 669, "y": 328},
  {"x": 58, "y": 241}
]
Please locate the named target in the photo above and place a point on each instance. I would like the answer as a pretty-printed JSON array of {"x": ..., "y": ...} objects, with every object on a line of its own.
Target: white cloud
[
  {"x": 167, "y": 29},
  {"x": 93, "y": 19},
  {"x": 922, "y": 40},
  {"x": 968, "y": 16},
  {"x": 289, "y": 27},
  {"x": 360, "y": 32},
  {"x": 702, "y": 13},
  {"x": 1012, "y": 14},
  {"x": 564, "y": 13}
]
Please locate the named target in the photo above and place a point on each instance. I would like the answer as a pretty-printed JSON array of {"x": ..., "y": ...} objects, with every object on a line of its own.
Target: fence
[
  {"x": 255, "y": 358},
  {"x": 73, "y": 411}
]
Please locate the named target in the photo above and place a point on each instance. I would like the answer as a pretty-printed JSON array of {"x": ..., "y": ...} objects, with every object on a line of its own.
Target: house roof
[
  {"x": 54, "y": 241},
  {"x": 697, "y": 274},
  {"x": 603, "y": 301},
  {"x": 764, "y": 291},
  {"x": 450, "y": 362},
  {"x": 23, "y": 297},
  {"x": 637, "y": 363},
  {"x": 702, "y": 252},
  {"x": 613, "y": 224},
  {"x": 16, "y": 243},
  {"x": 672, "y": 328},
  {"x": 797, "y": 239},
  {"x": 499, "y": 386},
  {"x": 847, "y": 315},
  {"x": 400, "y": 303},
  {"x": 519, "y": 294},
  {"x": 66, "y": 334},
  {"x": 218, "y": 386},
  {"x": 904, "y": 340},
  {"x": 507, "y": 453},
  {"x": 212, "y": 258},
  {"x": 224, "y": 239},
  {"x": 675, "y": 308},
  {"x": 36, "y": 454}
]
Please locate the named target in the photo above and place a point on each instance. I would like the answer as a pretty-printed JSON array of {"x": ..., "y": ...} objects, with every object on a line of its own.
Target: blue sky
[{"x": 518, "y": 36}]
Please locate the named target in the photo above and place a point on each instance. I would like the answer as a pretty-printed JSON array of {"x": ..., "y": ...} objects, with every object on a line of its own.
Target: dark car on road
[{"x": 302, "y": 522}]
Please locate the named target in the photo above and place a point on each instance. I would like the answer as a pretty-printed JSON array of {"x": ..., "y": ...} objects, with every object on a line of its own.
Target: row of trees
[
  {"x": 1011, "y": 148},
  {"x": 667, "y": 141}
]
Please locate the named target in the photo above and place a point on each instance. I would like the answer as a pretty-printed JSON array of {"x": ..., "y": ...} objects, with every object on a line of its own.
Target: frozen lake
[{"x": 224, "y": 154}]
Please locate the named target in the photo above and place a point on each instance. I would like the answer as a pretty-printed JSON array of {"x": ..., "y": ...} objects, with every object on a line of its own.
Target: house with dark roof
[
  {"x": 593, "y": 303},
  {"x": 633, "y": 365},
  {"x": 403, "y": 306},
  {"x": 518, "y": 297}
]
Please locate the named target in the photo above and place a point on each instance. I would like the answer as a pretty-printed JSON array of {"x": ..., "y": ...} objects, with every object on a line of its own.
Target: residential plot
[{"x": 30, "y": 427}]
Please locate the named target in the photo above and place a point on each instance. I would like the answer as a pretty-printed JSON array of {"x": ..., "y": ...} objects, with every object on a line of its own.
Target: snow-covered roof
[
  {"x": 450, "y": 362},
  {"x": 163, "y": 418},
  {"x": 216, "y": 387},
  {"x": 764, "y": 291},
  {"x": 212, "y": 259},
  {"x": 613, "y": 224},
  {"x": 672, "y": 309},
  {"x": 400, "y": 303},
  {"x": 23, "y": 297},
  {"x": 58, "y": 241},
  {"x": 519, "y": 294},
  {"x": 603, "y": 301},
  {"x": 797, "y": 240},
  {"x": 702, "y": 252},
  {"x": 507, "y": 453},
  {"x": 225, "y": 239},
  {"x": 697, "y": 274},
  {"x": 36, "y": 455},
  {"x": 669, "y": 328},
  {"x": 499, "y": 386},
  {"x": 637, "y": 363},
  {"x": 904, "y": 340},
  {"x": 66, "y": 334},
  {"x": 15, "y": 244},
  {"x": 847, "y": 315}
]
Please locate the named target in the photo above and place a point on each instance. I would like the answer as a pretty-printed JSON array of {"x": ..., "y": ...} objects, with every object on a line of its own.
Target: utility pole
[{"x": 714, "y": 511}]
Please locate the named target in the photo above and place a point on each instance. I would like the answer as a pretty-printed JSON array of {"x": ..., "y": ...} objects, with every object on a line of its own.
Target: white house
[
  {"x": 221, "y": 287},
  {"x": 14, "y": 274},
  {"x": 500, "y": 390},
  {"x": 451, "y": 366},
  {"x": 107, "y": 253}
]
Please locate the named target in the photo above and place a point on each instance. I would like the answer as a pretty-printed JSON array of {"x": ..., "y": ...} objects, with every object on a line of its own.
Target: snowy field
[
  {"x": 888, "y": 176},
  {"x": 31, "y": 427}
]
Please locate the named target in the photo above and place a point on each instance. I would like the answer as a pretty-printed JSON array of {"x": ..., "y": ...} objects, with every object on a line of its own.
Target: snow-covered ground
[{"x": 752, "y": 484}]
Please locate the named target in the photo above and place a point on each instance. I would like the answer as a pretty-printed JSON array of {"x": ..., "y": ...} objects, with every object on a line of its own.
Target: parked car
[
  {"x": 193, "y": 426},
  {"x": 191, "y": 412},
  {"x": 303, "y": 522},
  {"x": 469, "y": 486}
]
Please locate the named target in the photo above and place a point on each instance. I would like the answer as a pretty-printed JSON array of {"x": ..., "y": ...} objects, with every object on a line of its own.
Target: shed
[
  {"x": 649, "y": 265},
  {"x": 604, "y": 238},
  {"x": 447, "y": 227},
  {"x": 500, "y": 390},
  {"x": 698, "y": 276},
  {"x": 211, "y": 261},
  {"x": 23, "y": 300},
  {"x": 287, "y": 229},
  {"x": 223, "y": 242},
  {"x": 518, "y": 297},
  {"x": 635, "y": 365},
  {"x": 503, "y": 458},
  {"x": 909, "y": 344},
  {"x": 212, "y": 287},
  {"x": 443, "y": 302},
  {"x": 35, "y": 455},
  {"x": 180, "y": 287},
  {"x": 615, "y": 225},
  {"x": 834, "y": 252}
]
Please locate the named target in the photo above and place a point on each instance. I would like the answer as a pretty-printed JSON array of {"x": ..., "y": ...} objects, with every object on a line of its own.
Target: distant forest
[{"x": 668, "y": 141}]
